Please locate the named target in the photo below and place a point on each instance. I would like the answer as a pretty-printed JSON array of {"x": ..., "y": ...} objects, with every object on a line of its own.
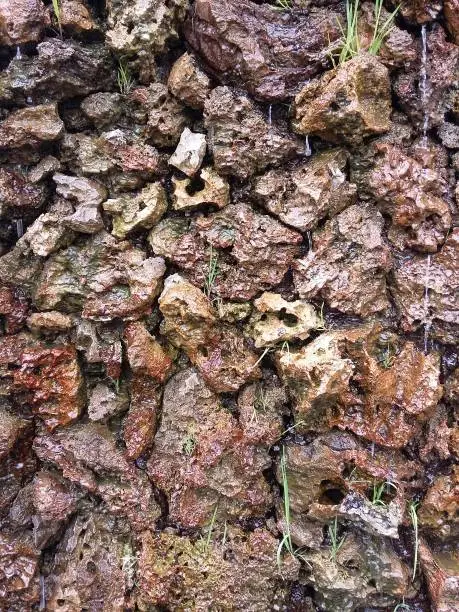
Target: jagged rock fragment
[
  {"x": 188, "y": 83},
  {"x": 215, "y": 191},
  {"x": 347, "y": 104},
  {"x": 189, "y": 153}
]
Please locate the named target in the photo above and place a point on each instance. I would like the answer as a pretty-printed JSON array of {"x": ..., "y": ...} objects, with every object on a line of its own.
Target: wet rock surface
[{"x": 229, "y": 372}]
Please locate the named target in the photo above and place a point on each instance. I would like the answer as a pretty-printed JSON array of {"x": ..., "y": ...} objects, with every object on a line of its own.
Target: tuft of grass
[
  {"x": 58, "y": 16},
  {"x": 212, "y": 273},
  {"x": 322, "y": 323},
  {"x": 282, "y": 5},
  {"x": 381, "y": 30},
  {"x": 378, "y": 492},
  {"x": 413, "y": 512},
  {"x": 350, "y": 43},
  {"x": 189, "y": 445},
  {"x": 336, "y": 541},
  {"x": 210, "y": 530},
  {"x": 388, "y": 356},
  {"x": 286, "y": 542},
  {"x": 124, "y": 78}
]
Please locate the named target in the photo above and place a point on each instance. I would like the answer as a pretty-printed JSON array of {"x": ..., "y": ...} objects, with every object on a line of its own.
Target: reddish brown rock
[
  {"x": 252, "y": 252},
  {"x": 239, "y": 137},
  {"x": 31, "y": 127},
  {"x": 22, "y": 21},
  {"x": 442, "y": 576},
  {"x": 420, "y": 11},
  {"x": 53, "y": 381},
  {"x": 347, "y": 263},
  {"x": 307, "y": 193},
  {"x": 18, "y": 197},
  {"x": 188, "y": 83},
  {"x": 347, "y": 104},
  {"x": 451, "y": 10},
  {"x": 139, "y": 426},
  {"x": 106, "y": 402},
  {"x": 75, "y": 17},
  {"x": 202, "y": 458},
  {"x": 440, "y": 508},
  {"x": 398, "y": 388},
  {"x": 88, "y": 456},
  {"x": 441, "y": 68},
  {"x": 437, "y": 275},
  {"x": 269, "y": 52},
  {"x": 62, "y": 69},
  {"x": 145, "y": 355},
  {"x": 176, "y": 573},
  {"x": 12, "y": 429},
  {"x": 166, "y": 118},
  {"x": 103, "y": 278},
  {"x": 88, "y": 569},
  {"x": 19, "y": 582},
  {"x": 219, "y": 352},
  {"x": 14, "y": 308},
  {"x": 412, "y": 195}
]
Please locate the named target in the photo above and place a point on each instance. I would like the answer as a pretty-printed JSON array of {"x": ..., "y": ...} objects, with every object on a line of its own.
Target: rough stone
[
  {"x": 442, "y": 577},
  {"x": 88, "y": 566},
  {"x": 102, "y": 278},
  {"x": 397, "y": 388},
  {"x": 139, "y": 426},
  {"x": 76, "y": 17},
  {"x": 451, "y": 10},
  {"x": 100, "y": 345},
  {"x": 88, "y": 456},
  {"x": 63, "y": 69},
  {"x": 176, "y": 573},
  {"x": 14, "y": 308},
  {"x": 240, "y": 139},
  {"x": 105, "y": 402},
  {"x": 22, "y": 21},
  {"x": 307, "y": 193},
  {"x": 144, "y": 28},
  {"x": 31, "y": 127},
  {"x": 133, "y": 212},
  {"x": 215, "y": 191},
  {"x": 268, "y": 52},
  {"x": 19, "y": 581},
  {"x": 103, "y": 108},
  {"x": 412, "y": 195},
  {"x": 276, "y": 320},
  {"x": 49, "y": 322},
  {"x": 48, "y": 234},
  {"x": 252, "y": 252},
  {"x": 219, "y": 352},
  {"x": 346, "y": 104},
  {"x": 11, "y": 429},
  {"x": 18, "y": 197},
  {"x": 439, "y": 274},
  {"x": 201, "y": 457},
  {"x": 347, "y": 263},
  {"x": 190, "y": 151},
  {"x": 145, "y": 355},
  {"x": 166, "y": 118},
  {"x": 438, "y": 511},
  {"x": 188, "y": 83},
  {"x": 46, "y": 166},
  {"x": 88, "y": 195}
]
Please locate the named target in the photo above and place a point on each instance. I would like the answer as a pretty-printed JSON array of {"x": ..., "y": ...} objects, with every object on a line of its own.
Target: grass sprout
[
  {"x": 282, "y": 5},
  {"x": 58, "y": 15},
  {"x": 336, "y": 541},
  {"x": 413, "y": 512},
  {"x": 286, "y": 542},
  {"x": 124, "y": 78},
  {"x": 189, "y": 445},
  {"x": 212, "y": 273},
  {"x": 350, "y": 44},
  {"x": 381, "y": 30},
  {"x": 378, "y": 492},
  {"x": 208, "y": 539}
]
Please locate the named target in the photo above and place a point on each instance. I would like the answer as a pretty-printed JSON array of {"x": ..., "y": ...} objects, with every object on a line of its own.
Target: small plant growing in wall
[
  {"x": 58, "y": 15},
  {"x": 350, "y": 42},
  {"x": 336, "y": 541},
  {"x": 124, "y": 78}
]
